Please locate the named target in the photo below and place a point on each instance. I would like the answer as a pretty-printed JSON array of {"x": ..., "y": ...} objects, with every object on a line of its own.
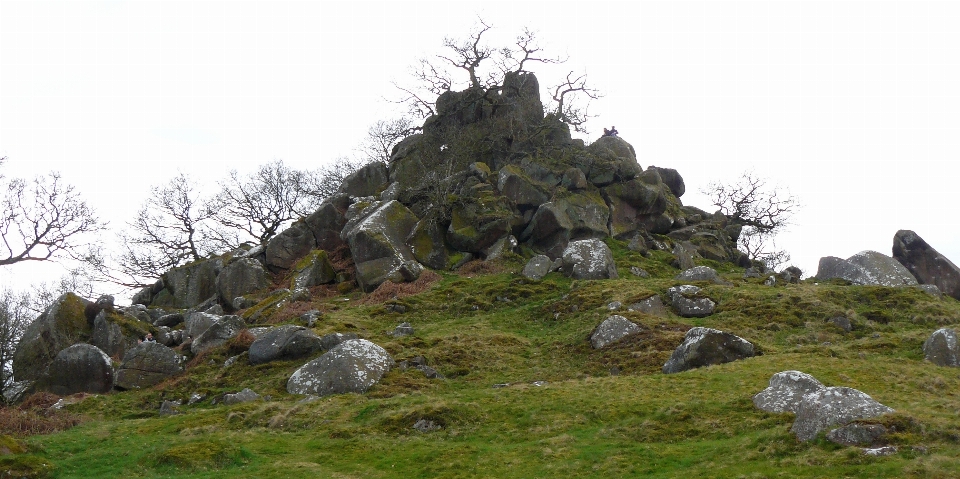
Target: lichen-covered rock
[
  {"x": 246, "y": 395},
  {"x": 353, "y": 366},
  {"x": 376, "y": 237},
  {"x": 701, "y": 273},
  {"x": 865, "y": 268},
  {"x": 941, "y": 348},
  {"x": 369, "y": 180},
  {"x": 286, "y": 248},
  {"x": 786, "y": 391},
  {"x": 313, "y": 269},
  {"x": 537, "y": 267},
  {"x": 478, "y": 222},
  {"x": 195, "y": 323},
  {"x": 520, "y": 189},
  {"x": 62, "y": 324},
  {"x": 614, "y": 159},
  {"x": 114, "y": 339},
  {"x": 833, "y": 406},
  {"x": 549, "y": 230},
  {"x": 589, "y": 259},
  {"x": 428, "y": 244},
  {"x": 706, "y": 347},
  {"x": 856, "y": 434},
  {"x": 652, "y": 306},
  {"x": 217, "y": 334},
  {"x": 925, "y": 263},
  {"x": 687, "y": 304},
  {"x": 78, "y": 368},
  {"x": 284, "y": 342},
  {"x": 147, "y": 364},
  {"x": 611, "y": 330},
  {"x": 328, "y": 221},
  {"x": 588, "y": 213},
  {"x": 240, "y": 277},
  {"x": 189, "y": 285},
  {"x": 631, "y": 200},
  {"x": 672, "y": 179}
]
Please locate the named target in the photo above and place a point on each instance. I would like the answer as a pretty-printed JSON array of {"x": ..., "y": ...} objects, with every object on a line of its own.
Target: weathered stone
[
  {"x": 549, "y": 230},
  {"x": 701, "y": 273},
  {"x": 330, "y": 341},
  {"x": 856, "y": 434},
  {"x": 941, "y": 348},
  {"x": 62, "y": 324},
  {"x": 293, "y": 243},
  {"x": 217, "y": 334},
  {"x": 240, "y": 277},
  {"x": 313, "y": 269},
  {"x": 926, "y": 264},
  {"x": 611, "y": 330},
  {"x": 706, "y": 347},
  {"x": 786, "y": 391},
  {"x": 376, "y": 238},
  {"x": 652, "y": 306},
  {"x": 537, "y": 267},
  {"x": 633, "y": 199},
  {"x": 504, "y": 245},
  {"x": 616, "y": 159},
  {"x": 865, "y": 268},
  {"x": 369, "y": 180},
  {"x": 284, "y": 342},
  {"x": 478, "y": 223},
  {"x": 352, "y": 366},
  {"x": 589, "y": 259},
  {"x": 685, "y": 253},
  {"x": 79, "y": 368},
  {"x": 169, "y": 320},
  {"x": 639, "y": 272},
  {"x": 842, "y": 322},
  {"x": 189, "y": 285},
  {"x": 147, "y": 364},
  {"x": 246, "y": 395},
  {"x": 833, "y": 406},
  {"x": 521, "y": 190},
  {"x": 328, "y": 221},
  {"x": 672, "y": 179},
  {"x": 428, "y": 244},
  {"x": 403, "y": 329},
  {"x": 195, "y": 323},
  {"x": 684, "y": 300}
]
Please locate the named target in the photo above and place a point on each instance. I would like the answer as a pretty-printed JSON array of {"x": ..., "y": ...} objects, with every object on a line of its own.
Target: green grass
[{"x": 481, "y": 330}]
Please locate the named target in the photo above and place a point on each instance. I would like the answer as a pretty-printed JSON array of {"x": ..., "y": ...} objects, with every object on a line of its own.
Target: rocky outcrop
[
  {"x": 328, "y": 221},
  {"x": 241, "y": 277},
  {"x": 189, "y": 285},
  {"x": 941, "y": 348},
  {"x": 612, "y": 330},
  {"x": 293, "y": 243},
  {"x": 61, "y": 325},
  {"x": 706, "y": 347},
  {"x": 786, "y": 391},
  {"x": 313, "y": 269},
  {"x": 147, "y": 364},
  {"x": 376, "y": 232},
  {"x": 351, "y": 367},
  {"x": 833, "y": 406},
  {"x": 81, "y": 368},
  {"x": 865, "y": 268},
  {"x": 217, "y": 334},
  {"x": 588, "y": 259},
  {"x": 284, "y": 342},
  {"x": 369, "y": 180},
  {"x": 926, "y": 264}
]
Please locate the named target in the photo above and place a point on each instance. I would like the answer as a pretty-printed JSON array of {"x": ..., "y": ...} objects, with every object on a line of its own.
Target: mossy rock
[
  {"x": 61, "y": 325},
  {"x": 312, "y": 270},
  {"x": 189, "y": 285},
  {"x": 9, "y": 445},
  {"x": 266, "y": 308}
]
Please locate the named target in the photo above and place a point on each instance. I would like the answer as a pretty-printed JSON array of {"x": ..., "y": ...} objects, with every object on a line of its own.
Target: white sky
[{"x": 851, "y": 105}]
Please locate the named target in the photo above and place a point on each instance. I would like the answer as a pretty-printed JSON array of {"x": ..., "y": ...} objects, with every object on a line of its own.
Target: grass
[{"x": 488, "y": 327}]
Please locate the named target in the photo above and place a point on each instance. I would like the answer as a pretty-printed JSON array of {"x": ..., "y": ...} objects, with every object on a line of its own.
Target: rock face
[
  {"x": 833, "y": 406},
  {"x": 925, "y": 263},
  {"x": 240, "y": 277},
  {"x": 217, "y": 334},
  {"x": 62, "y": 324},
  {"x": 109, "y": 336},
  {"x": 786, "y": 391},
  {"x": 376, "y": 233},
  {"x": 189, "y": 285},
  {"x": 284, "y": 342},
  {"x": 705, "y": 347},
  {"x": 866, "y": 268},
  {"x": 351, "y": 367},
  {"x": 684, "y": 300},
  {"x": 313, "y": 269},
  {"x": 147, "y": 364},
  {"x": 589, "y": 259},
  {"x": 941, "y": 348},
  {"x": 79, "y": 368},
  {"x": 612, "y": 330},
  {"x": 369, "y": 180}
]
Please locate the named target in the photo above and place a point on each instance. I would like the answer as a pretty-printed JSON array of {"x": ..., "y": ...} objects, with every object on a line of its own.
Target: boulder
[
  {"x": 856, "y": 434},
  {"x": 549, "y": 230},
  {"x": 926, "y": 264},
  {"x": 941, "y": 348},
  {"x": 633, "y": 199},
  {"x": 62, "y": 324},
  {"x": 353, "y": 366},
  {"x": 833, "y": 406},
  {"x": 169, "y": 320},
  {"x": 293, "y": 243},
  {"x": 111, "y": 338},
  {"x": 369, "y": 180},
  {"x": 330, "y": 341},
  {"x": 478, "y": 221},
  {"x": 217, "y": 334},
  {"x": 147, "y": 364},
  {"x": 189, "y": 285},
  {"x": 589, "y": 259},
  {"x": 195, "y": 323},
  {"x": 701, "y": 273},
  {"x": 537, "y": 267},
  {"x": 611, "y": 330},
  {"x": 246, "y": 395},
  {"x": 81, "y": 368},
  {"x": 706, "y": 347},
  {"x": 672, "y": 179},
  {"x": 684, "y": 301},
  {"x": 313, "y": 269},
  {"x": 514, "y": 184},
  {"x": 652, "y": 306},
  {"x": 865, "y": 268},
  {"x": 428, "y": 244},
  {"x": 786, "y": 391},
  {"x": 403, "y": 329},
  {"x": 284, "y": 342},
  {"x": 614, "y": 159},
  {"x": 328, "y": 221},
  {"x": 376, "y": 237},
  {"x": 240, "y": 277}
]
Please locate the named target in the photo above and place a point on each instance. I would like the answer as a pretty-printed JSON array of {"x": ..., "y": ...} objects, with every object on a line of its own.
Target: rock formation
[{"x": 925, "y": 263}]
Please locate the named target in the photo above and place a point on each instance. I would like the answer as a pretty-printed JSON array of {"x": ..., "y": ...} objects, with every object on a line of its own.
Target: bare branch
[{"x": 566, "y": 93}]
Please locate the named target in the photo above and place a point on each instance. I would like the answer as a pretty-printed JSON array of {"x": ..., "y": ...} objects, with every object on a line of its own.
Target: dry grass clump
[
  {"x": 479, "y": 266},
  {"x": 390, "y": 290},
  {"x": 34, "y": 416},
  {"x": 241, "y": 342}
]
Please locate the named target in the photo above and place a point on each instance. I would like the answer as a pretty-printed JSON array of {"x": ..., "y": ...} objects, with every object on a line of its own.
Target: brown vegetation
[
  {"x": 35, "y": 416},
  {"x": 390, "y": 290}
]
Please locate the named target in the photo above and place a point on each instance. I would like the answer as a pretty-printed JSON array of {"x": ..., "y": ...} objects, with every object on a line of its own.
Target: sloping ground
[{"x": 525, "y": 395}]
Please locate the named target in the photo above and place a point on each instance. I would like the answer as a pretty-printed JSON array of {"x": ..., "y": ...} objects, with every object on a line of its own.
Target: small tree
[
  {"x": 763, "y": 212},
  {"x": 15, "y": 316},
  {"x": 382, "y": 136},
  {"x": 325, "y": 182}
]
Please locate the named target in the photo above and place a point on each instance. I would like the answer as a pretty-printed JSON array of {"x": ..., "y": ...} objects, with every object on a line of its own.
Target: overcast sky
[{"x": 852, "y": 106}]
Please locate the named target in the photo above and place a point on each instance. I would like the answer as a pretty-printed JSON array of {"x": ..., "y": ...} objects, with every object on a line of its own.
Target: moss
[
  {"x": 201, "y": 455},
  {"x": 130, "y": 327},
  {"x": 265, "y": 309},
  {"x": 26, "y": 467},
  {"x": 9, "y": 445}
]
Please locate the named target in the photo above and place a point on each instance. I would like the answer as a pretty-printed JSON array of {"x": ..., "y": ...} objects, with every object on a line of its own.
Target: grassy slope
[{"x": 484, "y": 329}]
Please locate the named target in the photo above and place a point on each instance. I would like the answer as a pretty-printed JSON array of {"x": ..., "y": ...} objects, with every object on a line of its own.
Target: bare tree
[
  {"x": 326, "y": 181},
  {"x": 15, "y": 316},
  {"x": 763, "y": 212},
  {"x": 566, "y": 97},
  {"x": 382, "y": 136},
  {"x": 42, "y": 219}
]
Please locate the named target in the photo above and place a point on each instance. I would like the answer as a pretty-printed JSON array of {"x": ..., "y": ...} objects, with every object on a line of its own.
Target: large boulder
[
  {"x": 520, "y": 189},
  {"x": 189, "y": 285},
  {"x": 241, "y": 277},
  {"x": 293, "y": 243},
  {"x": 478, "y": 220},
  {"x": 218, "y": 334},
  {"x": 62, "y": 324},
  {"x": 313, "y": 269},
  {"x": 786, "y": 391},
  {"x": 706, "y": 347},
  {"x": 353, "y": 366},
  {"x": 612, "y": 159},
  {"x": 629, "y": 201},
  {"x": 114, "y": 333},
  {"x": 549, "y": 230},
  {"x": 195, "y": 323},
  {"x": 687, "y": 304},
  {"x": 834, "y": 406},
  {"x": 376, "y": 233},
  {"x": 81, "y": 368},
  {"x": 865, "y": 268},
  {"x": 701, "y": 273},
  {"x": 284, "y": 342},
  {"x": 612, "y": 330},
  {"x": 428, "y": 244},
  {"x": 925, "y": 263},
  {"x": 672, "y": 179},
  {"x": 589, "y": 259},
  {"x": 941, "y": 348},
  {"x": 369, "y": 180},
  {"x": 147, "y": 364},
  {"x": 328, "y": 221}
]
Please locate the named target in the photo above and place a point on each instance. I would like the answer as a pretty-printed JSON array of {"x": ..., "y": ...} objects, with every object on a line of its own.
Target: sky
[{"x": 850, "y": 106}]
